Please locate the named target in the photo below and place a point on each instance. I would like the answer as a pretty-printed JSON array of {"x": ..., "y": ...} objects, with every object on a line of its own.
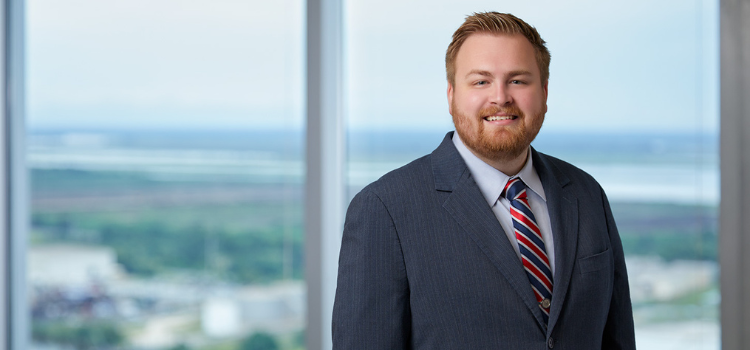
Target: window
[
  {"x": 167, "y": 173},
  {"x": 633, "y": 100},
  {"x": 130, "y": 101}
]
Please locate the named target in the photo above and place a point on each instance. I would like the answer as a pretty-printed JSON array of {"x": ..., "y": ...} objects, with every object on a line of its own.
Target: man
[{"x": 485, "y": 243}]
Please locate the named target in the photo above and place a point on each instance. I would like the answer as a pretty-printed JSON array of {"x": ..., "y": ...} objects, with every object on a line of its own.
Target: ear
[
  {"x": 546, "y": 93},
  {"x": 450, "y": 98}
]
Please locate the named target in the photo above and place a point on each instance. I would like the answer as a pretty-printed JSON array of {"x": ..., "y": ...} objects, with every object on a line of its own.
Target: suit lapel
[
  {"x": 468, "y": 207},
  {"x": 470, "y": 210},
  {"x": 562, "y": 205}
]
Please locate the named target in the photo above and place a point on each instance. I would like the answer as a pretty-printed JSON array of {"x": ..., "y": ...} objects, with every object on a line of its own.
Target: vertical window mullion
[
  {"x": 324, "y": 203},
  {"x": 735, "y": 173},
  {"x": 15, "y": 218}
]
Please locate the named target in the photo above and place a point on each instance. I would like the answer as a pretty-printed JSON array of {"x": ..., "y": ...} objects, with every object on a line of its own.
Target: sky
[
  {"x": 164, "y": 63},
  {"x": 238, "y": 64}
]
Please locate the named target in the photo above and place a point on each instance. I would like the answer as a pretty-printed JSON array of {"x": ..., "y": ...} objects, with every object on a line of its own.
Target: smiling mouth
[{"x": 494, "y": 118}]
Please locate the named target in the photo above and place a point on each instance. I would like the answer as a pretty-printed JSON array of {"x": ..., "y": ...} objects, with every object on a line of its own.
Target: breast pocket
[{"x": 595, "y": 262}]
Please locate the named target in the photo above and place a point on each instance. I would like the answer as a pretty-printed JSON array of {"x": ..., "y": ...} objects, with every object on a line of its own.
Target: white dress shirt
[{"x": 491, "y": 183}]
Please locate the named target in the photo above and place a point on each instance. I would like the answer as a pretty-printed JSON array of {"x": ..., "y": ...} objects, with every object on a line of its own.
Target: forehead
[{"x": 494, "y": 52}]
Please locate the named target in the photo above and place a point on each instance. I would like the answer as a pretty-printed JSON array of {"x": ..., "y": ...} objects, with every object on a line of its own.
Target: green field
[{"x": 252, "y": 233}]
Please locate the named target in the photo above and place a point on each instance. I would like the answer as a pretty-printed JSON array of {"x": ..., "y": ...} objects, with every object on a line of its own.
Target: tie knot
[{"x": 514, "y": 189}]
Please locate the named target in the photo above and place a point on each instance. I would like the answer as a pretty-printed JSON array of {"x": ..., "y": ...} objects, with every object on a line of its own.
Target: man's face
[{"x": 498, "y": 100}]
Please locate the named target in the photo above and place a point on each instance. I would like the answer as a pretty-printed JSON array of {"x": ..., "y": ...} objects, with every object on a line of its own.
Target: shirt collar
[{"x": 492, "y": 181}]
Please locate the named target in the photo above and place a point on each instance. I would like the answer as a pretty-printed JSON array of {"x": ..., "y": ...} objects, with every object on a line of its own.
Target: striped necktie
[{"x": 530, "y": 244}]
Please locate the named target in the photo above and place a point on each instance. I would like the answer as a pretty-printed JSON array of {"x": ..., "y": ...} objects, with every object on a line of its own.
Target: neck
[{"x": 507, "y": 165}]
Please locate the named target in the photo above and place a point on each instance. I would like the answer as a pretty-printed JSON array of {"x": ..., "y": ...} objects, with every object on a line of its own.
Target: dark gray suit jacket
[{"x": 425, "y": 264}]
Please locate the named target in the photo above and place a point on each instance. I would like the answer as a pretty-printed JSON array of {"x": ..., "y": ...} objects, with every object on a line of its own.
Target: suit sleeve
[
  {"x": 619, "y": 331},
  {"x": 371, "y": 309}
]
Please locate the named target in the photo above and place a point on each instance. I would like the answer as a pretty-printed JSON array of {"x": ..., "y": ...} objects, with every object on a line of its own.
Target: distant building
[
  {"x": 71, "y": 265},
  {"x": 653, "y": 279},
  {"x": 276, "y": 308}
]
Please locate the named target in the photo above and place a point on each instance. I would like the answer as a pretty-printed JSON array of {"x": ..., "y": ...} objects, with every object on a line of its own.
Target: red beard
[{"x": 498, "y": 144}]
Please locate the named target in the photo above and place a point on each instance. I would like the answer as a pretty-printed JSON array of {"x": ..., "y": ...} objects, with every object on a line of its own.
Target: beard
[{"x": 500, "y": 144}]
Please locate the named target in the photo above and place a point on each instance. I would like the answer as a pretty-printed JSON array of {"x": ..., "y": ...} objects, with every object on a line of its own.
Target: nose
[{"x": 501, "y": 96}]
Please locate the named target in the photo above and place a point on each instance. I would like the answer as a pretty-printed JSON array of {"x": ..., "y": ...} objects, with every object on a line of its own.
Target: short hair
[{"x": 496, "y": 23}]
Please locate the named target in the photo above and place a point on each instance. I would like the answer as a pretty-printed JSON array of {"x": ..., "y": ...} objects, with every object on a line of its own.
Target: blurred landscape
[{"x": 194, "y": 240}]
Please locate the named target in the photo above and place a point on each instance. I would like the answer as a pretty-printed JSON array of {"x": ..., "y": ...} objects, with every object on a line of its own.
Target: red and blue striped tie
[{"x": 530, "y": 244}]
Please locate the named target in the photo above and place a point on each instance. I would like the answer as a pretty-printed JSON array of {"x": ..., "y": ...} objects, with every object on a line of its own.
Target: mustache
[{"x": 512, "y": 110}]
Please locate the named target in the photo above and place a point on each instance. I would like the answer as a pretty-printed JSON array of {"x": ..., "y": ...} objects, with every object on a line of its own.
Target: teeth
[{"x": 496, "y": 118}]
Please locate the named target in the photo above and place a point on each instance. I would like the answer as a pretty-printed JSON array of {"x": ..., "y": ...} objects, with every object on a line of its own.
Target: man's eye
[
  {"x": 481, "y": 82},
  {"x": 516, "y": 82}
]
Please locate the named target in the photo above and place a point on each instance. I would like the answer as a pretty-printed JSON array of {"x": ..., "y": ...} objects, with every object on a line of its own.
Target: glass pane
[
  {"x": 165, "y": 154},
  {"x": 633, "y": 100}
]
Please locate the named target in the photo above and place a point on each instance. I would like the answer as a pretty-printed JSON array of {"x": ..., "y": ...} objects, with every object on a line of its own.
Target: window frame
[
  {"x": 324, "y": 179},
  {"x": 734, "y": 223},
  {"x": 14, "y": 192}
]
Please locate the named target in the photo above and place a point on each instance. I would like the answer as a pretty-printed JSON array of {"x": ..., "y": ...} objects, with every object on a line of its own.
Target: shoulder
[
  {"x": 404, "y": 181},
  {"x": 400, "y": 192},
  {"x": 561, "y": 168},
  {"x": 573, "y": 179},
  {"x": 418, "y": 182}
]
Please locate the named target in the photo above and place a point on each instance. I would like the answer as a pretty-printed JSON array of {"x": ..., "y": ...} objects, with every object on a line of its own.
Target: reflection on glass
[
  {"x": 634, "y": 105},
  {"x": 165, "y": 154}
]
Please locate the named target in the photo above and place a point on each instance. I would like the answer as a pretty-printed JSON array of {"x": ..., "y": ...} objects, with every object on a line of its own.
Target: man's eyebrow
[
  {"x": 480, "y": 72},
  {"x": 516, "y": 73},
  {"x": 485, "y": 73}
]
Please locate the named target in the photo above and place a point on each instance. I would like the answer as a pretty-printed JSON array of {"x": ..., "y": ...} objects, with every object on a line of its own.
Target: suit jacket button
[{"x": 550, "y": 343}]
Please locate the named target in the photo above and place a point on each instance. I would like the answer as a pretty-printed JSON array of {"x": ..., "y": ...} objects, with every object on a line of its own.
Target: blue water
[{"x": 680, "y": 168}]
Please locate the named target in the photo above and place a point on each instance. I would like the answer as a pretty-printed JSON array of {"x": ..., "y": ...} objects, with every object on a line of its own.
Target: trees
[
  {"x": 88, "y": 335},
  {"x": 259, "y": 341}
]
